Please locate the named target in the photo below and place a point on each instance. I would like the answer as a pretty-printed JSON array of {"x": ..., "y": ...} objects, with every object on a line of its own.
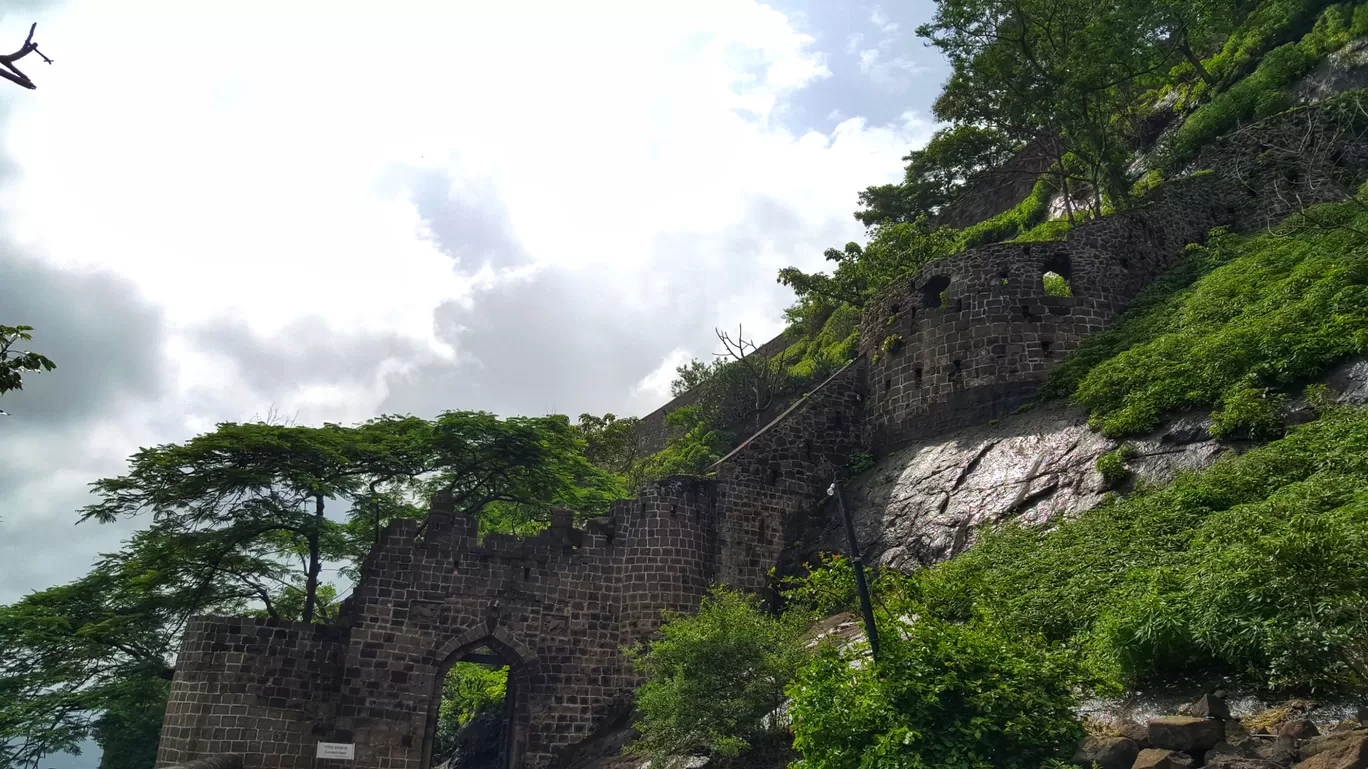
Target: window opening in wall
[
  {"x": 1045, "y": 346},
  {"x": 888, "y": 385},
  {"x": 959, "y": 305},
  {"x": 1125, "y": 263},
  {"x": 917, "y": 375},
  {"x": 473, "y": 722},
  {"x": 1056, "y": 273},
  {"x": 936, "y": 292},
  {"x": 957, "y": 367},
  {"x": 1003, "y": 276}
]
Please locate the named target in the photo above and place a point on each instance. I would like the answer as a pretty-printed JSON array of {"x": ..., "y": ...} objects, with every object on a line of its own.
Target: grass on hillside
[
  {"x": 1256, "y": 567},
  {"x": 1237, "y": 327}
]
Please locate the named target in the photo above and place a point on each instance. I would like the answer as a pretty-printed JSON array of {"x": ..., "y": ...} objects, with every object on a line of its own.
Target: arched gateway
[{"x": 557, "y": 609}]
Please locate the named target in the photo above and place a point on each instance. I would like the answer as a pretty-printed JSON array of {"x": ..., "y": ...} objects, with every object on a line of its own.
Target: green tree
[
  {"x": 14, "y": 364},
  {"x": 715, "y": 680},
  {"x": 92, "y": 658},
  {"x": 935, "y": 173},
  {"x": 1070, "y": 69},
  {"x": 471, "y": 690},
  {"x": 690, "y": 453},
  {"x": 896, "y": 250},
  {"x": 238, "y": 526},
  {"x": 609, "y": 442}
]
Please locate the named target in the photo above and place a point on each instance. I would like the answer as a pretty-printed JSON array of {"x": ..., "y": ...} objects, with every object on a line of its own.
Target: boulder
[
  {"x": 1157, "y": 758},
  {"x": 1299, "y": 729},
  {"x": 1349, "y": 751},
  {"x": 1228, "y": 747},
  {"x": 1326, "y": 742},
  {"x": 1211, "y": 706},
  {"x": 1347, "y": 725},
  {"x": 1227, "y": 761},
  {"x": 1281, "y": 751},
  {"x": 1134, "y": 732},
  {"x": 1107, "y": 752},
  {"x": 1186, "y": 733}
]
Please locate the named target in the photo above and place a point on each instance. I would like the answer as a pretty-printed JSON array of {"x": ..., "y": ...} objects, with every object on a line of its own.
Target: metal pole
[{"x": 871, "y": 632}]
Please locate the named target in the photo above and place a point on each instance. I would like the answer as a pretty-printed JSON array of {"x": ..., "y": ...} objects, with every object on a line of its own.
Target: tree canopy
[
  {"x": 243, "y": 520},
  {"x": 14, "y": 364}
]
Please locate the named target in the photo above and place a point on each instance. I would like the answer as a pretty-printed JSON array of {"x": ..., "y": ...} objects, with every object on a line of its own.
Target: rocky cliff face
[{"x": 920, "y": 504}]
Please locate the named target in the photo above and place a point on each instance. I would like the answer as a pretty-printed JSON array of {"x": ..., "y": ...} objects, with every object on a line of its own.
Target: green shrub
[
  {"x": 1243, "y": 319},
  {"x": 1112, "y": 465},
  {"x": 715, "y": 679},
  {"x": 1256, "y": 567},
  {"x": 1052, "y": 230},
  {"x": 941, "y": 695}
]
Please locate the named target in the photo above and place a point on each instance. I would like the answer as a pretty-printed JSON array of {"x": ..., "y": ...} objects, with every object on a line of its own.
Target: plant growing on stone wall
[
  {"x": 892, "y": 343},
  {"x": 860, "y": 462},
  {"x": 715, "y": 680}
]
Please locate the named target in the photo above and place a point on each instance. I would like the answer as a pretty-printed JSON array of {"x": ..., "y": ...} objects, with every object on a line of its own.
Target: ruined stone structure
[{"x": 965, "y": 340}]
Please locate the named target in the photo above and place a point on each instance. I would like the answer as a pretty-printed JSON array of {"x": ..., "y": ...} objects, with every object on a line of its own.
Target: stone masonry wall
[
  {"x": 783, "y": 470},
  {"x": 559, "y": 607},
  {"x": 983, "y": 352},
  {"x": 254, "y": 688}
]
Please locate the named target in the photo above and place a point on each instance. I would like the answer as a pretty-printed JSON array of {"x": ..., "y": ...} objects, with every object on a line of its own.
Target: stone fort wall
[{"x": 559, "y": 607}]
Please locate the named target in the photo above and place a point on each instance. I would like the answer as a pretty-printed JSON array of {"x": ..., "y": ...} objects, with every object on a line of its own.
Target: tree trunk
[
  {"x": 1063, "y": 178},
  {"x": 315, "y": 562},
  {"x": 1196, "y": 62}
]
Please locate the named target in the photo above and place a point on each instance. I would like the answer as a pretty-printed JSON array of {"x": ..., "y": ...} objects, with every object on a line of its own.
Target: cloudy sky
[{"x": 215, "y": 211}]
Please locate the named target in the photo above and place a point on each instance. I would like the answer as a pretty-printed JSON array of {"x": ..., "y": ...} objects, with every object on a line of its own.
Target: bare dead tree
[
  {"x": 763, "y": 373},
  {"x": 11, "y": 72},
  {"x": 1311, "y": 163}
]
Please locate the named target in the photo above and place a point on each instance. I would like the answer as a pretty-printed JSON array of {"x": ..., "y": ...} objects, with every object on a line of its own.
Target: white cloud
[
  {"x": 240, "y": 160},
  {"x": 879, "y": 19},
  {"x": 657, "y": 383}
]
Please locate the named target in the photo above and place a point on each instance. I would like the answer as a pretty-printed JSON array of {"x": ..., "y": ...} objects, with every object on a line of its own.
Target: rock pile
[{"x": 1209, "y": 737}]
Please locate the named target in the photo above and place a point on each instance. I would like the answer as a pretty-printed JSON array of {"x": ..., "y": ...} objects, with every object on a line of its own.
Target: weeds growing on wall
[{"x": 1241, "y": 323}]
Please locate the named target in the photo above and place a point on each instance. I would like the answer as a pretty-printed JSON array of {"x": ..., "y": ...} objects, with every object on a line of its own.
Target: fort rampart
[{"x": 966, "y": 339}]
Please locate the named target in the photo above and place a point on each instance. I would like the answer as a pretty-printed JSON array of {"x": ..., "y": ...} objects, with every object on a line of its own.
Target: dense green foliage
[
  {"x": 942, "y": 694},
  {"x": 1256, "y": 566},
  {"x": 1244, "y": 320},
  {"x": 715, "y": 679},
  {"x": 690, "y": 453},
  {"x": 470, "y": 690}
]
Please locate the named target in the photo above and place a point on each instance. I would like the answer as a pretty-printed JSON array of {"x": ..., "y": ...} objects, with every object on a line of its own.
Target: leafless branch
[{"x": 13, "y": 74}]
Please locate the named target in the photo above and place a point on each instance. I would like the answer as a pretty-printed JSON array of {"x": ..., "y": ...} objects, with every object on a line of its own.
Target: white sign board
[{"x": 343, "y": 750}]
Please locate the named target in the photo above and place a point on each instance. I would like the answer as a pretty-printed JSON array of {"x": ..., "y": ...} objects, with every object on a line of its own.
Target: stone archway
[{"x": 522, "y": 667}]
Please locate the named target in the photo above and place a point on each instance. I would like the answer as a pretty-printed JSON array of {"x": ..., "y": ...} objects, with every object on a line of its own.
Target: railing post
[{"x": 866, "y": 608}]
